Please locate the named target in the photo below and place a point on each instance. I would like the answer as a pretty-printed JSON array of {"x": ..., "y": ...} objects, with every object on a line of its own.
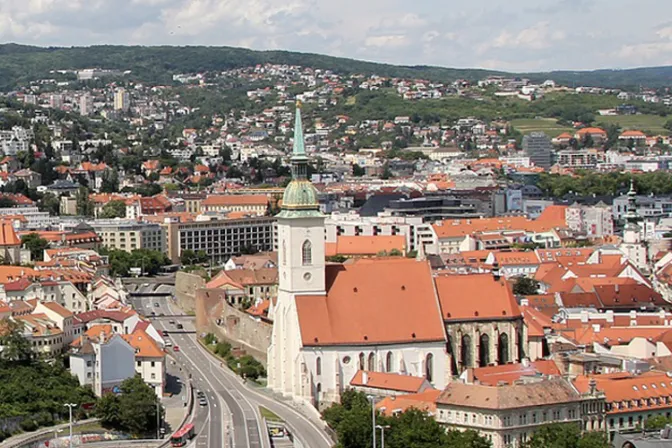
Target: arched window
[
  {"x": 503, "y": 349},
  {"x": 361, "y": 361},
  {"x": 318, "y": 393},
  {"x": 484, "y": 350},
  {"x": 372, "y": 364},
  {"x": 429, "y": 367},
  {"x": 307, "y": 253},
  {"x": 465, "y": 352},
  {"x": 318, "y": 366},
  {"x": 388, "y": 362}
]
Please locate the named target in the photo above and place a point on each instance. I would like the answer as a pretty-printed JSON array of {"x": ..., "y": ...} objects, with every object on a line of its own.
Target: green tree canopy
[
  {"x": 134, "y": 410},
  {"x": 567, "y": 435},
  {"x": 525, "y": 286},
  {"x": 36, "y": 245},
  {"x": 113, "y": 209}
]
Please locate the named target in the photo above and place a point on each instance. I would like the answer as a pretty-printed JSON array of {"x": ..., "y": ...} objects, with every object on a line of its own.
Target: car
[
  {"x": 176, "y": 348},
  {"x": 153, "y": 313},
  {"x": 156, "y": 304},
  {"x": 200, "y": 394},
  {"x": 164, "y": 332},
  {"x": 167, "y": 343},
  {"x": 203, "y": 402},
  {"x": 171, "y": 322},
  {"x": 180, "y": 326}
]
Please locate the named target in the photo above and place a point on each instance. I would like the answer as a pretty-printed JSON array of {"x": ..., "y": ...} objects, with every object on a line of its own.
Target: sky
[{"x": 516, "y": 35}]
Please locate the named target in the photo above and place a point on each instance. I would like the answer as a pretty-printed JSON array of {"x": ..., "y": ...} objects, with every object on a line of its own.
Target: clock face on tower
[{"x": 307, "y": 276}]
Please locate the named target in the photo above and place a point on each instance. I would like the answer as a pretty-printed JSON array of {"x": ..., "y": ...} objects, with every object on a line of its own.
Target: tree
[
  {"x": 6, "y": 202},
  {"x": 567, "y": 435},
  {"x": 358, "y": 171},
  {"x": 16, "y": 347},
  {"x": 656, "y": 422},
  {"x": 36, "y": 245},
  {"x": 525, "y": 286},
  {"x": 84, "y": 203},
  {"x": 50, "y": 203},
  {"x": 134, "y": 410},
  {"x": 110, "y": 182},
  {"x": 113, "y": 209}
]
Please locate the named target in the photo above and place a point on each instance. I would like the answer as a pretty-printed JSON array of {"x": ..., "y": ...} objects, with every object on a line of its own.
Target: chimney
[
  {"x": 469, "y": 378},
  {"x": 365, "y": 378},
  {"x": 495, "y": 271},
  {"x": 592, "y": 385}
]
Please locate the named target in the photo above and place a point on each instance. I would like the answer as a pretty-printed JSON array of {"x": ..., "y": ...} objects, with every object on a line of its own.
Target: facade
[
  {"x": 128, "y": 235},
  {"x": 104, "y": 364},
  {"x": 412, "y": 228},
  {"x": 508, "y": 415},
  {"x": 150, "y": 360},
  {"x": 122, "y": 100},
  {"x": 593, "y": 221},
  {"x": 539, "y": 149},
  {"x": 248, "y": 203},
  {"x": 219, "y": 238}
]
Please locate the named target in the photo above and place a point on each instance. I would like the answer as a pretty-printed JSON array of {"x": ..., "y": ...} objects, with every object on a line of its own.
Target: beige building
[
  {"x": 129, "y": 235},
  {"x": 508, "y": 415},
  {"x": 256, "y": 204}
]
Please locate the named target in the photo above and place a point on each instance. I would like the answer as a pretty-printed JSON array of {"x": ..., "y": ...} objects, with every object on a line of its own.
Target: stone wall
[
  {"x": 186, "y": 285},
  {"x": 215, "y": 315}
]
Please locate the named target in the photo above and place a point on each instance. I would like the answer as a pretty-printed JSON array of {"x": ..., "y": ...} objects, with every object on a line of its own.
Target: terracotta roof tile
[
  {"x": 389, "y": 381},
  {"x": 358, "y": 310},
  {"x": 476, "y": 297}
]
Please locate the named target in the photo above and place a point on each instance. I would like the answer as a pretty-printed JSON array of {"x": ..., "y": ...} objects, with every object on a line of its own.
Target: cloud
[{"x": 518, "y": 35}]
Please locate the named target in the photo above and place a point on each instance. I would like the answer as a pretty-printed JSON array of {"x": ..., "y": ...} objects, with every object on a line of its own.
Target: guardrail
[
  {"x": 26, "y": 439},
  {"x": 190, "y": 409}
]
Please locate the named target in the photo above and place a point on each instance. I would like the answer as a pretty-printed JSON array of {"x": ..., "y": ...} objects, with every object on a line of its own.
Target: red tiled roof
[
  {"x": 476, "y": 297},
  {"x": 388, "y": 381},
  {"x": 508, "y": 373},
  {"x": 366, "y": 245},
  {"x": 358, "y": 310}
]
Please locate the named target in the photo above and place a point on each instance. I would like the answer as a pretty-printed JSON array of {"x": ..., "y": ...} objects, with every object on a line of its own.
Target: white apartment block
[
  {"x": 413, "y": 229},
  {"x": 128, "y": 235}
]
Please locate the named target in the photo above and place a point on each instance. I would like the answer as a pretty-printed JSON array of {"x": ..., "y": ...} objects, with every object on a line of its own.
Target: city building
[
  {"x": 150, "y": 360},
  {"x": 226, "y": 203},
  {"x": 538, "y": 147},
  {"x": 219, "y": 238},
  {"x": 592, "y": 221},
  {"x": 103, "y": 363},
  {"x": 122, "y": 100},
  {"x": 129, "y": 235},
  {"x": 508, "y": 415}
]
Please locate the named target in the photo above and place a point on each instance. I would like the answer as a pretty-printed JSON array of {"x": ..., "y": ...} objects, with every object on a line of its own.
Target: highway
[{"x": 231, "y": 418}]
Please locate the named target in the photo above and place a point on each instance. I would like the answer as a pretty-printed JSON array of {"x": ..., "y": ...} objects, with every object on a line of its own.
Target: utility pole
[
  {"x": 382, "y": 434},
  {"x": 373, "y": 417},
  {"x": 70, "y": 406}
]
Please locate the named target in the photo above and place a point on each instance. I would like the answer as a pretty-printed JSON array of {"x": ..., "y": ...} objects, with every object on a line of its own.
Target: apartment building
[
  {"x": 631, "y": 399},
  {"x": 150, "y": 360},
  {"x": 128, "y": 235},
  {"x": 508, "y": 415},
  {"x": 103, "y": 364},
  {"x": 412, "y": 228},
  {"x": 594, "y": 221},
  {"x": 219, "y": 238}
]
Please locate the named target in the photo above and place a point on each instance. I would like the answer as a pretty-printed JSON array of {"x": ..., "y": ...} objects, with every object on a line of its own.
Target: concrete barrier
[{"x": 22, "y": 440}]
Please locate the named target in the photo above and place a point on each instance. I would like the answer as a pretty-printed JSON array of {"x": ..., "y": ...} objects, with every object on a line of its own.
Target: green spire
[
  {"x": 299, "y": 158},
  {"x": 298, "y": 148}
]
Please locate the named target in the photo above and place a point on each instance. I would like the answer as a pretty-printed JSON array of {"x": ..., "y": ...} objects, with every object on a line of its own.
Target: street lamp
[
  {"x": 70, "y": 406},
  {"x": 372, "y": 399},
  {"x": 382, "y": 434}
]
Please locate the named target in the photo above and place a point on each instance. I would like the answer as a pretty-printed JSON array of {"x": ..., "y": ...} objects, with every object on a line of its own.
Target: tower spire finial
[{"x": 298, "y": 149}]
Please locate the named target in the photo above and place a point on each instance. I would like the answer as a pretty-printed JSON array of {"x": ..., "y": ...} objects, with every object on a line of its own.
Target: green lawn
[
  {"x": 269, "y": 415},
  {"x": 548, "y": 125},
  {"x": 652, "y": 123}
]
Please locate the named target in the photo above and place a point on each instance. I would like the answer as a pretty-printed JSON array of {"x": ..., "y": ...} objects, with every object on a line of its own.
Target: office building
[
  {"x": 219, "y": 238},
  {"x": 538, "y": 148}
]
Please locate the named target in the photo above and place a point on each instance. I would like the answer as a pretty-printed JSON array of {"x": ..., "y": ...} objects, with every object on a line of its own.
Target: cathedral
[{"x": 390, "y": 314}]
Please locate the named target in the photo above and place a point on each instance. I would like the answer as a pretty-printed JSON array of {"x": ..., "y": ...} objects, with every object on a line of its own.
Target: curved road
[{"x": 232, "y": 417}]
